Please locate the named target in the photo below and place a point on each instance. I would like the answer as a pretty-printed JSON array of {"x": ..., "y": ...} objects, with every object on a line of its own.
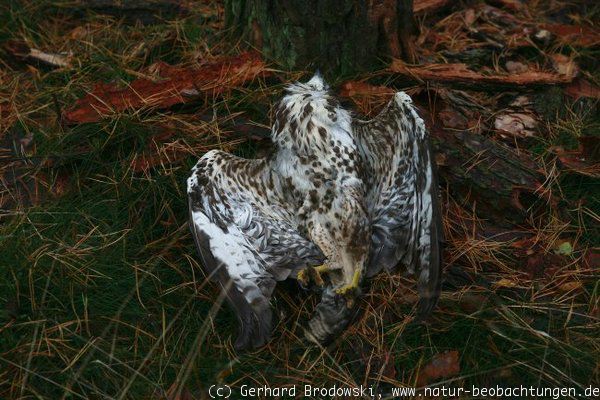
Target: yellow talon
[
  {"x": 321, "y": 268},
  {"x": 352, "y": 285},
  {"x": 303, "y": 277},
  {"x": 314, "y": 273}
]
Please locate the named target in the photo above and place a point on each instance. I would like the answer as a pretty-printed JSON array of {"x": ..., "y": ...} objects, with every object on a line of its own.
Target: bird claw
[
  {"x": 351, "y": 289},
  {"x": 313, "y": 274},
  {"x": 346, "y": 289}
]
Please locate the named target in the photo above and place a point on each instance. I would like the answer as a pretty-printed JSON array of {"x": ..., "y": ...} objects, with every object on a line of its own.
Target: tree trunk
[{"x": 339, "y": 37}]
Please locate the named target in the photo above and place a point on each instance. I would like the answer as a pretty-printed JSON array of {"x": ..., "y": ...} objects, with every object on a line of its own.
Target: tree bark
[
  {"x": 503, "y": 187},
  {"x": 339, "y": 37}
]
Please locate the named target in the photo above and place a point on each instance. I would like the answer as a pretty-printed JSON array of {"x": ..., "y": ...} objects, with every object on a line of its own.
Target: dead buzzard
[{"x": 339, "y": 200}]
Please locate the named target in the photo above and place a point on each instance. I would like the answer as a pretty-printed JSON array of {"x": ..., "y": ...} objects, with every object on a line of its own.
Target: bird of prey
[{"x": 338, "y": 200}]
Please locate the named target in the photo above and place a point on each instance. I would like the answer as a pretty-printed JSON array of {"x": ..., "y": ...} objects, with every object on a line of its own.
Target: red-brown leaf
[
  {"x": 178, "y": 85},
  {"x": 582, "y": 88},
  {"x": 428, "y": 6},
  {"x": 442, "y": 365},
  {"x": 575, "y": 34}
]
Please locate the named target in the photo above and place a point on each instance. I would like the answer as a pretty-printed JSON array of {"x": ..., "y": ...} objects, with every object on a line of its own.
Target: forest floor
[{"x": 102, "y": 295}]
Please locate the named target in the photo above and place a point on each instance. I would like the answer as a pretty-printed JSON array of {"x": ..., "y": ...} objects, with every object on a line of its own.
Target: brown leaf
[
  {"x": 506, "y": 283},
  {"x": 442, "y": 365},
  {"x": 428, "y": 6},
  {"x": 461, "y": 73},
  {"x": 569, "y": 286},
  {"x": 178, "y": 85},
  {"x": 575, "y": 35},
  {"x": 585, "y": 160},
  {"x": 582, "y": 88}
]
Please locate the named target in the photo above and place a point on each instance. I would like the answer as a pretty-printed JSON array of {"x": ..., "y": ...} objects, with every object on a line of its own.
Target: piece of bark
[
  {"x": 502, "y": 184},
  {"x": 176, "y": 85},
  {"x": 460, "y": 73}
]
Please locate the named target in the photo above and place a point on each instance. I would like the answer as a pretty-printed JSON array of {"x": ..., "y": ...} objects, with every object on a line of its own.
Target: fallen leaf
[
  {"x": 428, "y": 6},
  {"x": 524, "y": 244},
  {"x": 585, "y": 160},
  {"x": 567, "y": 287},
  {"x": 582, "y": 88},
  {"x": 575, "y": 35},
  {"x": 505, "y": 282},
  {"x": 442, "y": 365},
  {"x": 516, "y": 124},
  {"x": 461, "y": 73},
  {"x": 176, "y": 85},
  {"x": 564, "y": 249}
]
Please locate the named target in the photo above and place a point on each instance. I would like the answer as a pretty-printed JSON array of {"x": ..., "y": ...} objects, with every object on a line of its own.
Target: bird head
[{"x": 317, "y": 82}]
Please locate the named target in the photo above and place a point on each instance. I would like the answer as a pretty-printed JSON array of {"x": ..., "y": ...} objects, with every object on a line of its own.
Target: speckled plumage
[{"x": 353, "y": 195}]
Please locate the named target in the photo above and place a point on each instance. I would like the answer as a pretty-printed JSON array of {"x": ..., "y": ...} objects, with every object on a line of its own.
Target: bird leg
[
  {"x": 313, "y": 274},
  {"x": 353, "y": 285}
]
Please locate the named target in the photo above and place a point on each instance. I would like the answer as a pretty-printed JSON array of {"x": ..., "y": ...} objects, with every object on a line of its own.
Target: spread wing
[
  {"x": 403, "y": 196},
  {"x": 245, "y": 236}
]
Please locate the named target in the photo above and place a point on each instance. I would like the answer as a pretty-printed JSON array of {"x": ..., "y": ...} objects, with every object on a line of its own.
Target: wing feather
[
  {"x": 403, "y": 196},
  {"x": 247, "y": 240}
]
